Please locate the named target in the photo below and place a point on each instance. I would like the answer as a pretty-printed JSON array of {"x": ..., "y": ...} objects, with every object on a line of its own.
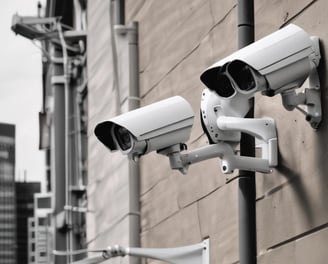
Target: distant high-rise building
[
  {"x": 31, "y": 240},
  {"x": 43, "y": 234},
  {"x": 24, "y": 209},
  {"x": 39, "y": 233},
  {"x": 8, "y": 244}
]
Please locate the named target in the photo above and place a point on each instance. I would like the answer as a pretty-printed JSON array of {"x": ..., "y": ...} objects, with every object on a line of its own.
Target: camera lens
[
  {"x": 223, "y": 86},
  {"x": 123, "y": 137},
  {"x": 216, "y": 80},
  {"x": 242, "y": 75}
]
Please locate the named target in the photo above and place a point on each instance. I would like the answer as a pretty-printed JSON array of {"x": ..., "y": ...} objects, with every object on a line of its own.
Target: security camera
[
  {"x": 276, "y": 64},
  {"x": 165, "y": 126},
  {"x": 153, "y": 127}
]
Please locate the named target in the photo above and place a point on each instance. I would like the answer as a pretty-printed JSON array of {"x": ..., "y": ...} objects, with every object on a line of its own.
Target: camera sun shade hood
[
  {"x": 150, "y": 121},
  {"x": 271, "y": 53}
]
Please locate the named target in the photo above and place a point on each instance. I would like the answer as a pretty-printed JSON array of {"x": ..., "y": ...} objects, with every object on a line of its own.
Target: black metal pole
[
  {"x": 246, "y": 180},
  {"x": 119, "y": 12}
]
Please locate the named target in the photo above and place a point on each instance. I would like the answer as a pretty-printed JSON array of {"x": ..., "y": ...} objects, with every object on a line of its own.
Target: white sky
[{"x": 21, "y": 90}]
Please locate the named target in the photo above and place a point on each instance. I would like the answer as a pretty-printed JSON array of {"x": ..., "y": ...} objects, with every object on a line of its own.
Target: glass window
[
  {"x": 41, "y": 221},
  {"x": 44, "y": 202}
]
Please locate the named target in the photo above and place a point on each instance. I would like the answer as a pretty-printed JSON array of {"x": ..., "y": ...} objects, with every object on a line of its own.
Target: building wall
[
  {"x": 25, "y": 209},
  {"x": 31, "y": 241},
  {"x": 63, "y": 122},
  {"x": 43, "y": 232},
  {"x": 63, "y": 129},
  {"x": 8, "y": 226},
  {"x": 178, "y": 40},
  {"x": 291, "y": 215},
  {"x": 108, "y": 183}
]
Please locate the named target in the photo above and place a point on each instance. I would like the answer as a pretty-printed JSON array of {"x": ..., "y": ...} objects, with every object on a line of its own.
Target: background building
[
  {"x": 62, "y": 36},
  {"x": 137, "y": 52},
  {"x": 44, "y": 232},
  {"x": 31, "y": 241},
  {"x": 8, "y": 245},
  {"x": 24, "y": 209}
]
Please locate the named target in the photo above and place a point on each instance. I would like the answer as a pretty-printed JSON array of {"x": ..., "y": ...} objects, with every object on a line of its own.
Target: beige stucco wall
[{"x": 178, "y": 40}]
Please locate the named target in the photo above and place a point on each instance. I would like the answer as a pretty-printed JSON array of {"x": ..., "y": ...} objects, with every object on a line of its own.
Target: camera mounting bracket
[
  {"x": 311, "y": 98},
  {"x": 261, "y": 128}
]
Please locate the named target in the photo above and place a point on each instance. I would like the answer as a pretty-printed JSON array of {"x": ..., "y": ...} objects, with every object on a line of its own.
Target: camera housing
[
  {"x": 276, "y": 64},
  {"x": 152, "y": 127},
  {"x": 213, "y": 106}
]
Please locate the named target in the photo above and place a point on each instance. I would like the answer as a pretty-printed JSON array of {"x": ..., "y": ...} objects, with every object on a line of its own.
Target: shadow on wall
[
  {"x": 297, "y": 185},
  {"x": 321, "y": 142},
  {"x": 320, "y": 165}
]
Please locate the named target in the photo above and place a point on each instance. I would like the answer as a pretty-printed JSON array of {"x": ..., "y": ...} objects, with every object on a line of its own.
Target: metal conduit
[
  {"x": 246, "y": 180},
  {"x": 117, "y": 11},
  {"x": 68, "y": 214}
]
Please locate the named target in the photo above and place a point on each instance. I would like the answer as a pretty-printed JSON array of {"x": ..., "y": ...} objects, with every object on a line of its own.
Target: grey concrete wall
[
  {"x": 291, "y": 208},
  {"x": 178, "y": 40},
  {"x": 108, "y": 173}
]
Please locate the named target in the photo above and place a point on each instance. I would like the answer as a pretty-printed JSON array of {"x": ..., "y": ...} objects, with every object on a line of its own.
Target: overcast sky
[{"x": 21, "y": 90}]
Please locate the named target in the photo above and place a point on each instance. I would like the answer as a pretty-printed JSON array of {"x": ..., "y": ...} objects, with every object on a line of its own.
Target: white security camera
[
  {"x": 153, "y": 127},
  {"x": 276, "y": 64}
]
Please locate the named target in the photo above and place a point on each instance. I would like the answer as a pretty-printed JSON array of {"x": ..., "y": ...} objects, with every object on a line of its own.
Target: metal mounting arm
[
  {"x": 47, "y": 28},
  {"x": 34, "y": 27},
  {"x": 261, "y": 128},
  {"x": 310, "y": 98},
  {"x": 230, "y": 161},
  {"x": 193, "y": 254}
]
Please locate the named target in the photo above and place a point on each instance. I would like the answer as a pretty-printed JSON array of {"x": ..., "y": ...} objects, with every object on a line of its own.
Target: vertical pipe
[
  {"x": 58, "y": 149},
  {"x": 116, "y": 84},
  {"x": 134, "y": 170},
  {"x": 246, "y": 180},
  {"x": 245, "y": 22},
  {"x": 78, "y": 147},
  {"x": 67, "y": 144},
  {"x": 119, "y": 12}
]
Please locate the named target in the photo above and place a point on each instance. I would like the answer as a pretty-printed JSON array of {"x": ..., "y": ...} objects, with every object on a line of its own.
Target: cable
[{"x": 77, "y": 252}]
